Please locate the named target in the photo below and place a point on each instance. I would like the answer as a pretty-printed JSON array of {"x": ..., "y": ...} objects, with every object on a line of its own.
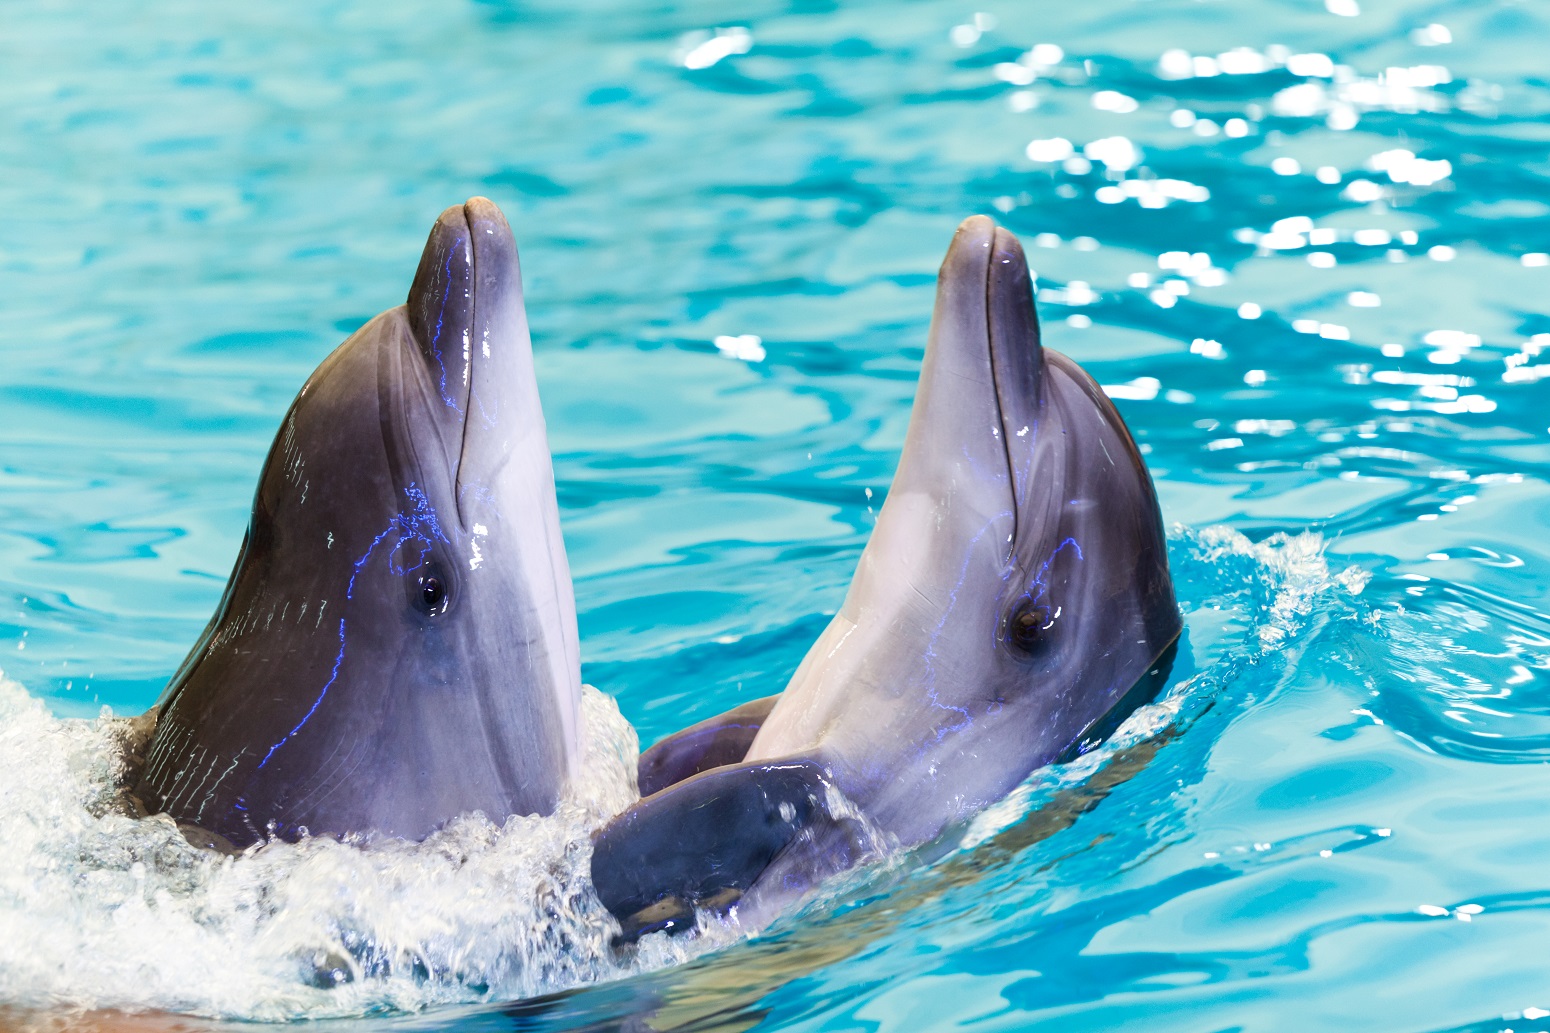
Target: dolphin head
[
  {"x": 397, "y": 644},
  {"x": 1016, "y": 585},
  {"x": 1013, "y": 594}
]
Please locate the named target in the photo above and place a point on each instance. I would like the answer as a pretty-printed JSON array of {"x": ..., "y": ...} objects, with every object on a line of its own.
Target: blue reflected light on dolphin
[
  {"x": 397, "y": 644},
  {"x": 1013, "y": 600}
]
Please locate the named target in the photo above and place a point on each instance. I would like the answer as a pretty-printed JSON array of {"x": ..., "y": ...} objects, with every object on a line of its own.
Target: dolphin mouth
[
  {"x": 1014, "y": 352},
  {"x": 985, "y": 336},
  {"x": 466, "y": 318}
]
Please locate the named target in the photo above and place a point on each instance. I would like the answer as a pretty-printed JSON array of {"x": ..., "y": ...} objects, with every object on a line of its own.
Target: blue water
[{"x": 1341, "y": 825}]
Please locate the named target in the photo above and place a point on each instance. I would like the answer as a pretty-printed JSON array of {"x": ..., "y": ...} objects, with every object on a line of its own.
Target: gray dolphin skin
[
  {"x": 397, "y": 645},
  {"x": 1012, "y": 602}
]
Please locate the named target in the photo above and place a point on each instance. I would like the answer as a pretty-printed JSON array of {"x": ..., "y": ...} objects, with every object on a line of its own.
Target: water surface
[{"x": 1301, "y": 244}]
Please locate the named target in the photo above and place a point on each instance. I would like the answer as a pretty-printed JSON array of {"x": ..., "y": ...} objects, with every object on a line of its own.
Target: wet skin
[
  {"x": 1013, "y": 598},
  {"x": 397, "y": 644}
]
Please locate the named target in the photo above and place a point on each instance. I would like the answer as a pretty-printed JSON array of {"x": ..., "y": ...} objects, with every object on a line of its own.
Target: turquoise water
[{"x": 1303, "y": 246}]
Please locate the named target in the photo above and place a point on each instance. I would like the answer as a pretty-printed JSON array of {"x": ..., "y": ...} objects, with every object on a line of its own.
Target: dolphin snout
[
  {"x": 968, "y": 256},
  {"x": 466, "y": 293},
  {"x": 494, "y": 249},
  {"x": 466, "y": 317},
  {"x": 985, "y": 267}
]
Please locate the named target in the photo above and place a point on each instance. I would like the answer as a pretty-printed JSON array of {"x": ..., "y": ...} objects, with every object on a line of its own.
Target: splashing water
[{"x": 105, "y": 910}]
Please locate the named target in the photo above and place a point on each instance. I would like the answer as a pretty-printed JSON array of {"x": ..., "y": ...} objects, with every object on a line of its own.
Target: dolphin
[
  {"x": 397, "y": 644},
  {"x": 1012, "y": 604}
]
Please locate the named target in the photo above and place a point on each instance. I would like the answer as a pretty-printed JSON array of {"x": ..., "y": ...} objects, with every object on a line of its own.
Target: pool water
[{"x": 1302, "y": 244}]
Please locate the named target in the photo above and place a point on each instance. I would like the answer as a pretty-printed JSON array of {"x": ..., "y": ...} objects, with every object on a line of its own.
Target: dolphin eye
[
  {"x": 1029, "y": 626},
  {"x": 432, "y": 594},
  {"x": 430, "y": 591}
]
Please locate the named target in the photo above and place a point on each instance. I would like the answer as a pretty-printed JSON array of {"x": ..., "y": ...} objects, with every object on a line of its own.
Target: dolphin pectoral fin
[
  {"x": 703, "y": 842},
  {"x": 713, "y": 743}
]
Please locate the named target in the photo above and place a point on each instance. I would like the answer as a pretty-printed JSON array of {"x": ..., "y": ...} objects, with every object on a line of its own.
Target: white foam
[{"x": 101, "y": 910}]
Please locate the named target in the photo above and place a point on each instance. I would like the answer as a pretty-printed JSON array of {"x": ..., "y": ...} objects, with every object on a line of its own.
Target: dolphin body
[
  {"x": 397, "y": 644},
  {"x": 1012, "y": 605}
]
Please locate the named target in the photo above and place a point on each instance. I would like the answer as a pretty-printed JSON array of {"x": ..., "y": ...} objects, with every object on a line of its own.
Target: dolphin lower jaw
[
  {"x": 504, "y": 476},
  {"x": 536, "y": 612}
]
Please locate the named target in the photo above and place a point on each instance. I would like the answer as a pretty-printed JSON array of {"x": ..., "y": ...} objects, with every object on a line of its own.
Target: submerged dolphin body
[
  {"x": 397, "y": 644},
  {"x": 1014, "y": 596}
]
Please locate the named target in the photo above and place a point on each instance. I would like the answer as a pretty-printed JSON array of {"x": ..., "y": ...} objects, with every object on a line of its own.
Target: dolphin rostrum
[
  {"x": 397, "y": 644},
  {"x": 1013, "y": 601}
]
